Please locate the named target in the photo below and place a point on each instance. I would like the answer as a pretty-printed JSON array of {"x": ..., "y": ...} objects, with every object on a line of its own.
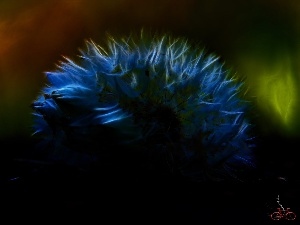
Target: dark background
[{"x": 258, "y": 39}]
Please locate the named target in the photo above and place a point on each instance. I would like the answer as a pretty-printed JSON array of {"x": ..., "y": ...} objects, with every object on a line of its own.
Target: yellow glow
[{"x": 277, "y": 94}]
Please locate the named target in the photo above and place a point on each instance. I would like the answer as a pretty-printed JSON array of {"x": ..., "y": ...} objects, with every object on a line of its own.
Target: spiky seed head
[{"x": 158, "y": 95}]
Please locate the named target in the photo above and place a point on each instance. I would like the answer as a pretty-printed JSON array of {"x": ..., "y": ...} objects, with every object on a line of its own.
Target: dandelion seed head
[{"x": 159, "y": 93}]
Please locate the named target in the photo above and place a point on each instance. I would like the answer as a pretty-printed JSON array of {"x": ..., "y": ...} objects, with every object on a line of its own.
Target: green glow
[{"x": 278, "y": 94}]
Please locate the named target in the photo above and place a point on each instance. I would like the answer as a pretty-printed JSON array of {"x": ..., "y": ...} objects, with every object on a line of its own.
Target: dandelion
[{"x": 156, "y": 96}]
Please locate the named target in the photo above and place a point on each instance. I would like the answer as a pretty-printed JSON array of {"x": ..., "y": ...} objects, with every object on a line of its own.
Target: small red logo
[{"x": 282, "y": 213}]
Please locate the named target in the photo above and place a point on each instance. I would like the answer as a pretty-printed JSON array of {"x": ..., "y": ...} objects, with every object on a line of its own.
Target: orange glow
[{"x": 31, "y": 40}]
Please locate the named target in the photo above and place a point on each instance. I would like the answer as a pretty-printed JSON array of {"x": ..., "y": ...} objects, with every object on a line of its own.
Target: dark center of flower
[{"x": 158, "y": 121}]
